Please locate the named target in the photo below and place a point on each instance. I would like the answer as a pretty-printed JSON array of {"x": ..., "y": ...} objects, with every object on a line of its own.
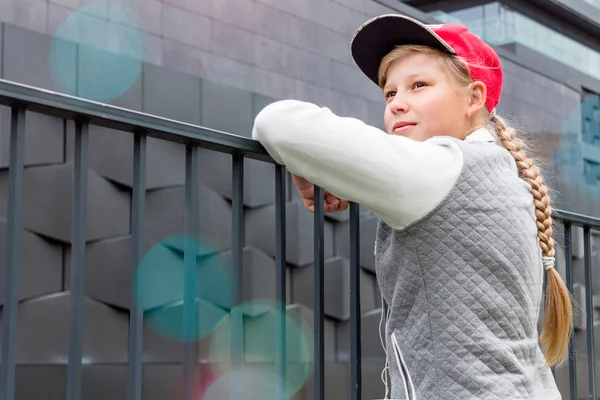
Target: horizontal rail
[
  {"x": 108, "y": 116},
  {"x": 576, "y": 219}
]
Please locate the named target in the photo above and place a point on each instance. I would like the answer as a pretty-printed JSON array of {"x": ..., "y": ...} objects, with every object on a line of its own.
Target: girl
[{"x": 465, "y": 231}]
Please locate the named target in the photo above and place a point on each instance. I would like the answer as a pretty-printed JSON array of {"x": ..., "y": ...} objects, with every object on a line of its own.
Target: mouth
[{"x": 402, "y": 127}]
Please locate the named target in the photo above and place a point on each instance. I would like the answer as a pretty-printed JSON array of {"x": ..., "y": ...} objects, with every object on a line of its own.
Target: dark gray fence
[{"x": 22, "y": 98}]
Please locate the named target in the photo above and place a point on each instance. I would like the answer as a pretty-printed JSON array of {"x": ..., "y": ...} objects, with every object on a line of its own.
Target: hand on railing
[{"x": 306, "y": 190}]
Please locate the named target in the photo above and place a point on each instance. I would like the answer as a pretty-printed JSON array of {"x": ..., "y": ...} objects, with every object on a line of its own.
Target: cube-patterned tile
[
  {"x": 260, "y": 232},
  {"x": 40, "y": 267},
  {"x": 44, "y": 331},
  {"x": 111, "y": 155},
  {"x": 368, "y": 230},
  {"x": 44, "y": 138},
  {"x": 371, "y": 349},
  {"x": 165, "y": 211},
  {"x": 51, "y": 188},
  {"x": 216, "y": 171}
]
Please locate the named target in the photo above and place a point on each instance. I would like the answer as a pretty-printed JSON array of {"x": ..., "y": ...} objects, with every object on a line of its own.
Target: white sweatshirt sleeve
[{"x": 398, "y": 179}]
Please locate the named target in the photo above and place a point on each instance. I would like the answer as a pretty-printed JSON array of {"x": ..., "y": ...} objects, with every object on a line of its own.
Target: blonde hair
[{"x": 559, "y": 312}]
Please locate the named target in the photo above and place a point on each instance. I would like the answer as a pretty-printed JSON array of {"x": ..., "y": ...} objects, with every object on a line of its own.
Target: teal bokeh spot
[
  {"x": 161, "y": 281},
  {"x": 260, "y": 336},
  {"x": 97, "y": 52}
]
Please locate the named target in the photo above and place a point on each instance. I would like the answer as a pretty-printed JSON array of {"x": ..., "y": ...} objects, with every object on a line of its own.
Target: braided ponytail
[{"x": 559, "y": 312}]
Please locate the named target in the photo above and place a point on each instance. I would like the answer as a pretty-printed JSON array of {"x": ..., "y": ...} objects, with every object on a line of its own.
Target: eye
[
  {"x": 389, "y": 95},
  {"x": 418, "y": 85}
]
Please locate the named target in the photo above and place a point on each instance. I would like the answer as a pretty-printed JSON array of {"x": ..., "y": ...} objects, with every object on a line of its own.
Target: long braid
[
  {"x": 559, "y": 312},
  {"x": 532, "y": 175}
]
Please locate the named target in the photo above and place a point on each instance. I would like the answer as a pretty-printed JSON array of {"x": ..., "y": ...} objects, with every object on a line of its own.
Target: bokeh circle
[
  {"x": 244, "y": 383},
  {"x": 261, "y": 319},
  {"x": 97, "y": 52},
  {"x": 161, "y": 283}
]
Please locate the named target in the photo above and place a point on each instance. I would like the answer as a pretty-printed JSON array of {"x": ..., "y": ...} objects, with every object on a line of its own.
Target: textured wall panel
[
  {"x": 50, "y": 382},
  {"x": 40, "y": 270},
  {"x": 370, "y": 297},
  {"x": 44, "y": 138},
  {"x": 111, "y": 155},
  {"x": 162, "y": 382},
  {"x": 101, "y": 382},
  {"x": 44, "y": 332},
  {"x": 171, "y": 94},
  {"x": 226, "y": 109},
  {"x": 31, "y": 67},
  {"x": 259, "y": 102},
  {"x": 371, "y": 345},
  {"x": 368, "y": 230},
  {"x": 337, "y": 287},
  {"x": 160, "y": 349},
  {"x": 215, "y": 171},
  {"x": 166, "y": 212},
  {"x": 108, "y": 271},
  {"x": 51, "y": 188},
  {"x": 258, "y": 281},
  {"x": 260, "y": 232},
  {"x": 298, "y": 312}
]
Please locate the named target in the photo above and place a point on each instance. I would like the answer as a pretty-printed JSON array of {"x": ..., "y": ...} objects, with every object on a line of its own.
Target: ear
[{"x": 478, "y": 92}]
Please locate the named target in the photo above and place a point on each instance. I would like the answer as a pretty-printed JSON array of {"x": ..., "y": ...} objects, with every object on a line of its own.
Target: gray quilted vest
[{"x": 464, "y": 285}]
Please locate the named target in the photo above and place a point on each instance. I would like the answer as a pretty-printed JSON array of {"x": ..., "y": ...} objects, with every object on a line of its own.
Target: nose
[{"x": 399, "y": 104}]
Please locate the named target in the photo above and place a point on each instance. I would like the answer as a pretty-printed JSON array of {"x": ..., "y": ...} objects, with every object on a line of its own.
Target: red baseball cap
[{"x": 380, "y": 35}]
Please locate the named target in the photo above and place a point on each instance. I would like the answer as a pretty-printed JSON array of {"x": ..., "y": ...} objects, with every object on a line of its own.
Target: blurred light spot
[
  {"x": 94, "y": 58},
  {"x": 161, "y": 278},
  {"x": 260, "y": 337},
  {"x": 244, "y": 383}
]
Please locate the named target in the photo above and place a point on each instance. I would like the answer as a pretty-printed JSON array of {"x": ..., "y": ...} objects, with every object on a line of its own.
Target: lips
[{"x": 401, "y": 127}]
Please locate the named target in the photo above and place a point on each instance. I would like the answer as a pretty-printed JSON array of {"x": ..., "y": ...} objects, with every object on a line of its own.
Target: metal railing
[
  {"x": 588, "y": 224},
  {"x": 21, "y": 98}
]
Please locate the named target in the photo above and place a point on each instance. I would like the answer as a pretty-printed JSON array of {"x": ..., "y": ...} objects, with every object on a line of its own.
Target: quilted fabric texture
[{"x": 464, "y": 285}]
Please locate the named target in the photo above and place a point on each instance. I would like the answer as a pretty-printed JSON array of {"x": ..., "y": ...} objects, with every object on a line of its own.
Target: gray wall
[{"x": 216, "y": 64}]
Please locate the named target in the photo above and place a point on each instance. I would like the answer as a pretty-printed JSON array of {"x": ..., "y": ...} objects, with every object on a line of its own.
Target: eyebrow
[{"x": 412, "y": 76}]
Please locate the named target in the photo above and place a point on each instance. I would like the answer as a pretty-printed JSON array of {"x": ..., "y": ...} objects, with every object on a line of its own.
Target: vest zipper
[{"x": 409, "y": 389}]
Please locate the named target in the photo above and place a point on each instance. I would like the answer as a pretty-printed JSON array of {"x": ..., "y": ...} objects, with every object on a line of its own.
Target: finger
[
  {"x": 329, "y": 198},
  {"x": 344, "y": 205},
  {"x": 329, "y": 209}
]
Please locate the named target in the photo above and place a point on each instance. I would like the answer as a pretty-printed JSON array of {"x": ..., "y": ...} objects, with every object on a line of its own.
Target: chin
[{"x": 409, "y": 135}]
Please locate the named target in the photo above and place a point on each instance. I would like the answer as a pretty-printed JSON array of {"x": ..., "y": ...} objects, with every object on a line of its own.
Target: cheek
[{"x": 388, "y": 118}]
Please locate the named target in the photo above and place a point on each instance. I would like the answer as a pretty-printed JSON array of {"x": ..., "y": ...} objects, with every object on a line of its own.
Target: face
[{"x": 425, "y": 100}]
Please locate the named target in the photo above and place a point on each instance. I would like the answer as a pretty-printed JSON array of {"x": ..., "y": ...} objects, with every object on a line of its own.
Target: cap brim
[{"x": 378, "y": 36}]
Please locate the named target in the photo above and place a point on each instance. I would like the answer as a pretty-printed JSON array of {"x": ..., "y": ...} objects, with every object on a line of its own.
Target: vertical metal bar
[
  {"x": 190, "y": 322},
  {"x": 319, "y": 323},
  {"x": 589, "y": 306},
  {"x": 355, "y": 312},
  {"x": 77, "y": 276},
  {"x": 280, "y": 280},
  {"x": 237, "y": 322},
  {"x": 569, "y": 276},
  {"x": 12, "y": 254},
  {"x": 136, "y": 315}
]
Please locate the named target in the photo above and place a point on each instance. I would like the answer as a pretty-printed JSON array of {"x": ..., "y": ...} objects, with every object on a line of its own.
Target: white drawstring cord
[{"x": 386, "y": 366}]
